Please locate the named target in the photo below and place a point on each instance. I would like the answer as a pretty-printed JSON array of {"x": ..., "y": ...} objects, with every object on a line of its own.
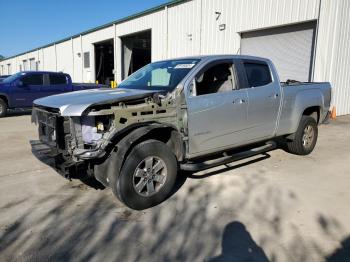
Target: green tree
[{"x": 2, "y": 57}]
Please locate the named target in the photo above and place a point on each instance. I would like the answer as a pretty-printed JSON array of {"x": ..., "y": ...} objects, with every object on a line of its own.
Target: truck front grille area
[{"x": 53, "y": 129}]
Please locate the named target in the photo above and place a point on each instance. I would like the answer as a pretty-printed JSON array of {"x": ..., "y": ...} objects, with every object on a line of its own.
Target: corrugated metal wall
[
  {"x": 333, "y": 51},
  {"x": 184, "y": 29},
  {"x": 64, "y": 57},
  {"x": 215, "y": 27},
  {"x": 246, "y": 15}
]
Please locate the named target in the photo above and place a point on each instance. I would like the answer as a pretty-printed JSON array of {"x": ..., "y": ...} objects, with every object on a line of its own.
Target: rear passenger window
[
  {"x": 32, "y": 80},
  {"x": 58, "y": 79},
  {"x": 258, "y": 74}
]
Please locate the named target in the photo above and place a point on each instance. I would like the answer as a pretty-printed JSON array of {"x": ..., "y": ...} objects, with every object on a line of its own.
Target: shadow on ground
[
  {"x": 201, "y": 221},
  {"x": 238, "y": 245}
]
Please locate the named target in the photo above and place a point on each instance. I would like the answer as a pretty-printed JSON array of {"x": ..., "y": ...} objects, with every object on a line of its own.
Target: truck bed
[{"x": 297, "y": 94}]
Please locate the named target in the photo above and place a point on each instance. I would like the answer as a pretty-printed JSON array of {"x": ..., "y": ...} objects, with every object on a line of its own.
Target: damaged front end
[
  {"x": 58, "y": 138},
  {"x": 78, "y": 143}
]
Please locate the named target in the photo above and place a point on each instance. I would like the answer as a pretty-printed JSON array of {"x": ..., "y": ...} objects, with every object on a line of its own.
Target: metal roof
[{"x": 119, "y": 21}]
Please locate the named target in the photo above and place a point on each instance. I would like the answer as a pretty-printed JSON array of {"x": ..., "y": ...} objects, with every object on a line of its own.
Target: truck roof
[
  {"x": 42, "y": 72},
  {"x": 223, "y": 56}
]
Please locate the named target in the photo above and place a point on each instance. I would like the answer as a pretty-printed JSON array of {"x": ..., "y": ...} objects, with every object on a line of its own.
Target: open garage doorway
[
  {"x": 136, "y": 51},
  {"x": 104, "y": 61}
]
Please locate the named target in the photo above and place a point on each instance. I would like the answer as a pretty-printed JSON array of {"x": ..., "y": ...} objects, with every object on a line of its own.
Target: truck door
[
  {"x": 54, "y": 84},
  {"x": 264, "y": 99},
  {"x": 27, "y": 89},
  {"x": 217, "y": 109}
]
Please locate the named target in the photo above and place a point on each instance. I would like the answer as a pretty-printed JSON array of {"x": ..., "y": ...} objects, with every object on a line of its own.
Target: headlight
[
  {"x": 100, "y": 127},
  {"x": 90, "y": 132}
]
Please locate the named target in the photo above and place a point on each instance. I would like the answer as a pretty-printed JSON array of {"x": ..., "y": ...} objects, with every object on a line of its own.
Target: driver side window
[
  {"x": 32, "y": 80},
  {"x": 215, "y": 79}
]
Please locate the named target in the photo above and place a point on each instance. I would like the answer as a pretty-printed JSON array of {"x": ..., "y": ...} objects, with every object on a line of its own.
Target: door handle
[
  {"x": 238, "y": 101},
  {"x": 273, "y": 96}
]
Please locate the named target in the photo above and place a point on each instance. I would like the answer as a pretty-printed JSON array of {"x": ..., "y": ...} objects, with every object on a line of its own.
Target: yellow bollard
[{"x": 113, "y": 84}]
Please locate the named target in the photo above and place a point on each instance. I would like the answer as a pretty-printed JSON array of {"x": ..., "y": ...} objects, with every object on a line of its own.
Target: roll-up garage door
[{"x": 289, "y": 47}]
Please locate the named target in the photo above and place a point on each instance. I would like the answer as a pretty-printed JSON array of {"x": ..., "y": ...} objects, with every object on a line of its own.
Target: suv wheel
[
  {"x": 305, "y": 138},
  {"x": 147, "y": 176},
  {"x": 3, "y": 108}
]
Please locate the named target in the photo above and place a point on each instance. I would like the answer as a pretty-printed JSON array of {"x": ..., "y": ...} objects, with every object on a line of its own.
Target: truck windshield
[
  {"x": 164, "y": 75},
  {"x": 12, "y": 78}
]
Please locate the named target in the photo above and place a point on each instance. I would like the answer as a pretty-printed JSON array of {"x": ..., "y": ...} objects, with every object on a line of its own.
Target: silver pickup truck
[{"x": 181, "y": 114}]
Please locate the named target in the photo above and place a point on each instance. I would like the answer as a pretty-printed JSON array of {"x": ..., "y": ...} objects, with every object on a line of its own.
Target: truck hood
[{"x": 75, "y": 103}]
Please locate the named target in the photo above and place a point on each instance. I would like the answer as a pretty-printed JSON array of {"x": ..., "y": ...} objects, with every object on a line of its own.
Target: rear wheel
[
  {"x": 3, "y": 108},
  {"x": 305, "y": 138},
  {"x": 147, "y": 176}
]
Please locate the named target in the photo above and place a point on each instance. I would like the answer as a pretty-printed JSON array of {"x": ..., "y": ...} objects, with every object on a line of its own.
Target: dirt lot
[{"x": 276, "y": 207}]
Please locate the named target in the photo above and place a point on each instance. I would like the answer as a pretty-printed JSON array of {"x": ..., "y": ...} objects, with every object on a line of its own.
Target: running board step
[{"x": 199, "y": 166}]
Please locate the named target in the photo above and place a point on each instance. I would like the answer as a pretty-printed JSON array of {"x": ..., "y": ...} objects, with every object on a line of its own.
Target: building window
[
  {"x": 2, "y": 70},
  {"x": 25, "y": 65},
  {"x": 9, "y": 69},
  {"x": 20, "y": 68},
  {"x": 32, "y": 64},
  {"x": 86, "y": 59}
]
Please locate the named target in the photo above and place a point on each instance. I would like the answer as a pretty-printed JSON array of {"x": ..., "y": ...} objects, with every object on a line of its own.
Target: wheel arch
[
  {"x": 314, "y": 112},
  {"x": 5, "y": 98},
  {"x": 108, "y": 171}
]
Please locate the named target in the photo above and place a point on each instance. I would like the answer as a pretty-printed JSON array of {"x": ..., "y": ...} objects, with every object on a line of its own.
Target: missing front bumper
[{"x": 53, "y": 158}]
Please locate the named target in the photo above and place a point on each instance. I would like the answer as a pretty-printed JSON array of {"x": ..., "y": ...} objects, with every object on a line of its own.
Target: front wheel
[
  {"x": 305, "y": 137},
  {"x": 147, "y": 176},
  {"x": 3, "y": 108}
]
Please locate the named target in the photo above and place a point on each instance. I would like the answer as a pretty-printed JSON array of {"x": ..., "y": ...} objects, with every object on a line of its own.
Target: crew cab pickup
[
  {"x": 20, "y": 90},
  {"x": 188, "y": 113}
]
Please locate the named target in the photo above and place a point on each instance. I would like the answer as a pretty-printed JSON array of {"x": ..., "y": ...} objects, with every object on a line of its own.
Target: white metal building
[{"x": 308, "y": 40}]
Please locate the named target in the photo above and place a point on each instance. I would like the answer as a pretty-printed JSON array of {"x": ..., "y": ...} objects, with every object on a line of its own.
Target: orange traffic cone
[{"x": 334, "y": 113}]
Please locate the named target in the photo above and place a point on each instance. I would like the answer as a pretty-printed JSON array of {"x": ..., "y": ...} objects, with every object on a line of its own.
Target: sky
[{"x": 27, "y": 24}]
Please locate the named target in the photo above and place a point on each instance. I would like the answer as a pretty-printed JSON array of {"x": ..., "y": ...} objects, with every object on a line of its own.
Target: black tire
[
  {"x": 135, "y": 175},
  {"x": 304, "y": 141},
  {"x": 3, "y": 108}
]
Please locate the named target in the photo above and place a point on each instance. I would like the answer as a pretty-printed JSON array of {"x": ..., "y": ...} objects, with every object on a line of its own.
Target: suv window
[
  {"x": 56, "y": 79},
  {"x": 35, "y": 79},
  {"x": 258, "y": 74},
  {"x": 217, "y": 78}
]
